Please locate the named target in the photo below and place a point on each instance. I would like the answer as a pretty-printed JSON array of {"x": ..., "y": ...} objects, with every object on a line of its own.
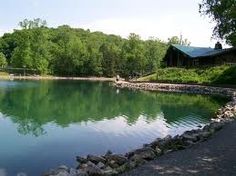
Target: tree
[
  {"x": 133, "y": 54},
  {"x": 21, "y": 55},
  {"x": 31, "y": 24},
  {"x": 110, "y": 53},
  {"x": 68, "y": 53},
  {"x": 40, "y": 53},
  {"x": 223, "y": 12},
  {"x": 3, "y": 60},
  {"x": 155, "y": 51},
  {"x": 32, "y": 50},
  {"x": 177, "y": 40}
]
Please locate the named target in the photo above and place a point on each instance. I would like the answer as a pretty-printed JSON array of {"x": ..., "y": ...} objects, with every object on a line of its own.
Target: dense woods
[{"x": 68, "y": 51}]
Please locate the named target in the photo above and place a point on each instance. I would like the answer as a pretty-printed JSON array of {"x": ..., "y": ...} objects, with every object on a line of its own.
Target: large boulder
[
  {"x": 119, "y": 159},
  {"x": 93, "y": 171},
  {"x": 96, "y": 159},
  {"x": 146, "y": 153},
  {"x": 165, "y": 143},
  {"x": 81, "y": 160}
]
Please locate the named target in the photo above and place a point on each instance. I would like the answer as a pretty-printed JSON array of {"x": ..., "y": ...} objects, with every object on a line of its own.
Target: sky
[{"x": 148, "y": 18}]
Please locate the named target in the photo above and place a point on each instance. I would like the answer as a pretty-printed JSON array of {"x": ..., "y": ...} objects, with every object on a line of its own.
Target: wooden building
[{"x": 188, "y": 56}]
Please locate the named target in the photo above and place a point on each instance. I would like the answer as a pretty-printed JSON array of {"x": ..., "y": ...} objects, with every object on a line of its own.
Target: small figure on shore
[{"x": 117, "y": 78}]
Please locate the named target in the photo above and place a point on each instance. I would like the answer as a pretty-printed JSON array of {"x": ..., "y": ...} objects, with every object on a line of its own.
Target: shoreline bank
[
  {"x": 114, "y": 164},
  {"x": 56, "y": 78}
]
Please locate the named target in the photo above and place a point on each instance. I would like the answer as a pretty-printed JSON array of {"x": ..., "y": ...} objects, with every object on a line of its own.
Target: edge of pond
[
  {"x": 114, "y": 164},
  {"x": 13, "y": 77}
]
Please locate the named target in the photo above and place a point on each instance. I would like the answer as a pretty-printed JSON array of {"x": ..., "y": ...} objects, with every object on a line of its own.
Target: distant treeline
[{"x": 77, "y": 52}]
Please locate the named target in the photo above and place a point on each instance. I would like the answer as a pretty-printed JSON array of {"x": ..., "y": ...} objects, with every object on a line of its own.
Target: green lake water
[{"x": 44, "y": 124}]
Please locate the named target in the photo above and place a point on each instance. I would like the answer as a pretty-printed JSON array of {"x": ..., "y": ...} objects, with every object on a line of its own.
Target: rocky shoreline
[
  {"x": 180, "y": 88},
  {"x": 114, "y": 164}
]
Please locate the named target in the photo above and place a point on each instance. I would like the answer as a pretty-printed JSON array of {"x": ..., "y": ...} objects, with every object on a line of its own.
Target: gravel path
[{"x": 216, "y": 156}]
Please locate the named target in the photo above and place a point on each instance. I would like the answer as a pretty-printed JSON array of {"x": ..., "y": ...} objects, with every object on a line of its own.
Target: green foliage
[
  {"x": 3, "y": 60},
  {"x": 177, "y": 40},
  {"x": 66, "y": 51},
  {"x": 31, "y": 50},
  {"x": 212, "y": 75},
  {"x": 31, "y": 24},
  {"x": 133, "y": 55},
  {"x": 223, "y": 12},
  {"x": 155, "y": 51}
]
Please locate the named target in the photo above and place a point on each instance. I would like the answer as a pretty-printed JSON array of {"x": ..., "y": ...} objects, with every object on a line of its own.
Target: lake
[{"x": 44, "y": 124}]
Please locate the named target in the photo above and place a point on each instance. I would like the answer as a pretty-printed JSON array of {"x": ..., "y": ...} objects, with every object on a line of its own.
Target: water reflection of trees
[{"x": 64, "y": 103}]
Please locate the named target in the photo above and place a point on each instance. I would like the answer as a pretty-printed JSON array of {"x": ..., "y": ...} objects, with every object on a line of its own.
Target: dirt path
[{"x": 217, "y": 156}]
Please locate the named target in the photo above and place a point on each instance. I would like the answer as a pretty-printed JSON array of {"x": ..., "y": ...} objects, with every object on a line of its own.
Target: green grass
[
  {"x": 212, "y": 75},
  {"x": 4, "y": 73}
]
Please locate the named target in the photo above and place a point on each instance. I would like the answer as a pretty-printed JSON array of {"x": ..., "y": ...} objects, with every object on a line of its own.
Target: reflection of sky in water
[
  {"x": 63, "y": 144},
  {"x": 16, "y": 84}
]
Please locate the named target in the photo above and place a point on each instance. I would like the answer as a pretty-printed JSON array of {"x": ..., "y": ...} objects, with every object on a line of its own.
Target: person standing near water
[{"x": 117, "y": 78}]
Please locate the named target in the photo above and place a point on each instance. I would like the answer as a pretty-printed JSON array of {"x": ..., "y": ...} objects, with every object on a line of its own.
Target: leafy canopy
[
  {"x": 67, "y": 51},
  {"x": 223, "y": 12}
]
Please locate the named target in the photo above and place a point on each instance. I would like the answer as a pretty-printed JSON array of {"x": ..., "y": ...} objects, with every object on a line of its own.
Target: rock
[
  {"x": 51, "y": 172},
  {"x": 228, "y": 114},
  {"x": 146, "y": 153},
  {"x": 109, "y": 171},
  {"x": 234, "y": 109},
  {"x": 187, "y": 137},
  {"x": 63, "y": 173},
  {"x": 73, "y": 172},
  {"x": 204, "y": 134},
  {"x": 189, "y": 143},
  {"x": 109, "y": 152},
  {"x": 95, "y": 159},
  {"x": 60, "y": 171},
  {"x": 206, "y": 128},
  {"x": 81, "y": 160},
  {"x": 63, "y": 167},
  {"x": 82, "y": 166},
  {"x": 136, "y": 160},
  {"x": 158, "y": 151},
  {"x": 122, "y": 168},
  {"x": 89, "y": 163},
  {"x": 165, "y": 143},
  {"x": 93, "y": 170},
  {"x": 168, "y": 151},
  {"x": 112, "y": 164},
  {"x": 133, "y": 164},
  {"x": 101, "y": 165},
  {"x": 216, "y": 126},
  {"x": 119, "y": 159},
  {"x": 177, "y": 143},
  {"x": 81, "y": 172},
  {"x": 154, "y": 143}
]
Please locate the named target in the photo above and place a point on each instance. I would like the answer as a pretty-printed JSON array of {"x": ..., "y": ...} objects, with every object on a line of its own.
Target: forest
[{"x": 67, "y": 51}]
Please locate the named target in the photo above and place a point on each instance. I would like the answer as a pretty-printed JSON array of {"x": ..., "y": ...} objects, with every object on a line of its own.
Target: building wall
[
  {"x": 228, "y": 58},
  {"x": 175, "y": 58}
]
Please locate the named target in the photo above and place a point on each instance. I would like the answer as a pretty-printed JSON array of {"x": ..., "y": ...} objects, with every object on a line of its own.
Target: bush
[
  {"x": 3, "y": 60},
  {"x": 209, "y": 75}
]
